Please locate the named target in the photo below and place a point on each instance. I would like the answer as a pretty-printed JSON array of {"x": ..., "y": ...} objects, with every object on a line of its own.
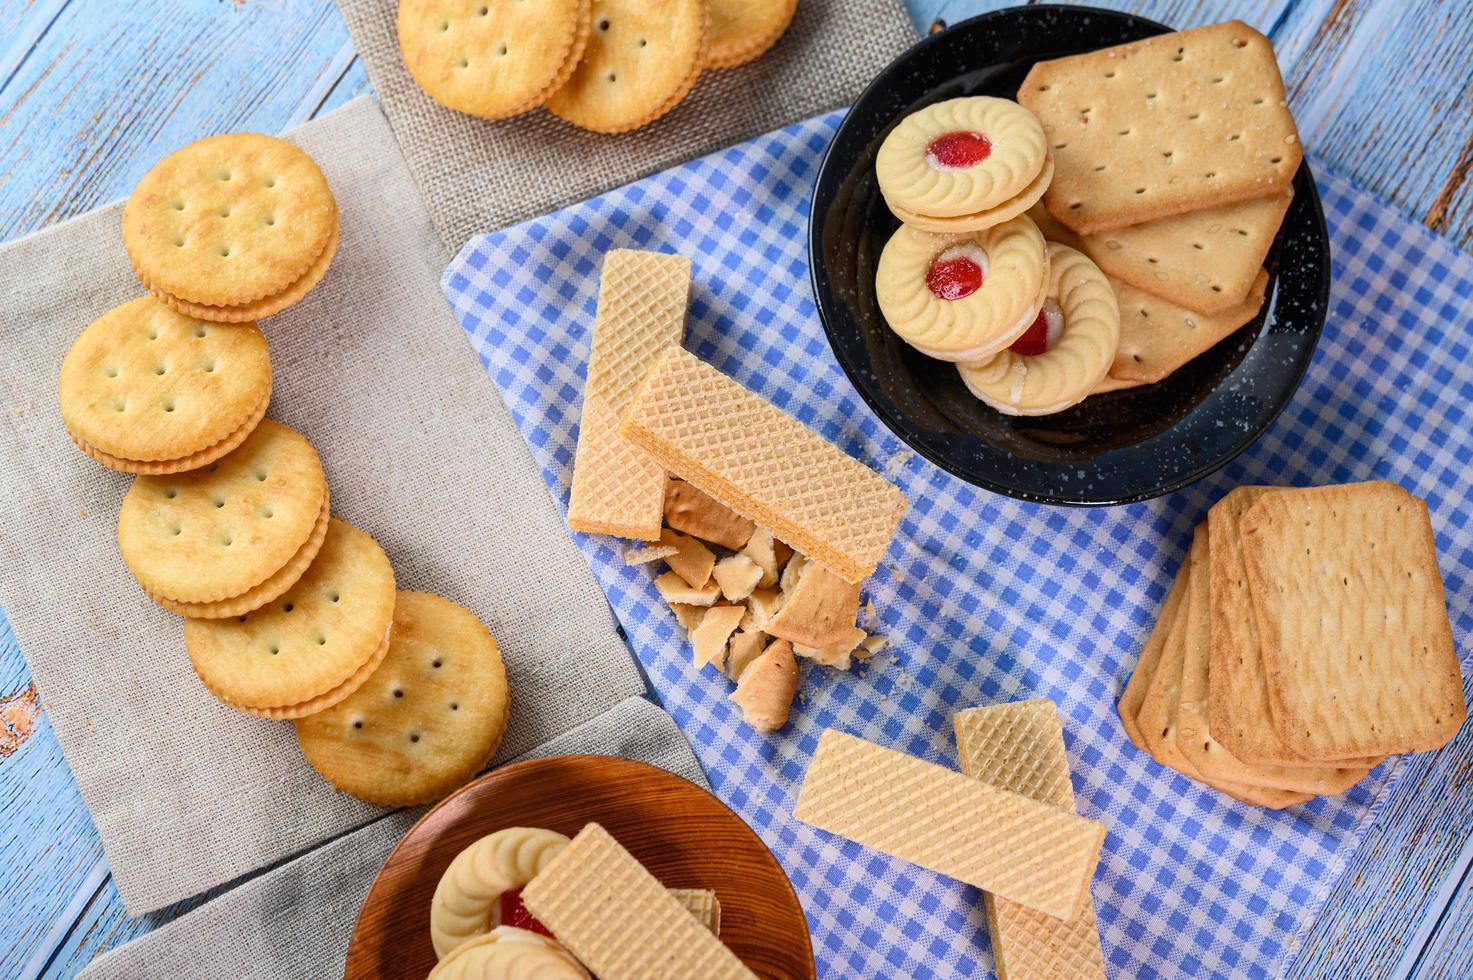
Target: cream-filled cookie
[
  {"x": 1067, "y": 350},
  {"x": 966, "y": 296},
  {"x": 481, "y": 888}
]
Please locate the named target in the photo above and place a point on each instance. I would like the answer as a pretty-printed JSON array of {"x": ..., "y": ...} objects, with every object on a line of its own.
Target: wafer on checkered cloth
[
  {"x": 764, "y": 464},
  {"x": 642, "y": 299},
  {"x": 602, "y": 904},
  {"x": 1019, "y": 747},
  {"x": 1017, "y": 848}
]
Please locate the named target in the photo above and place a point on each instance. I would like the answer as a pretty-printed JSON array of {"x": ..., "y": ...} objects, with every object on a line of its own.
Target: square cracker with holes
[
  {"x": 1352, "y": 620},
  {"x": 1174, "y": 123}
]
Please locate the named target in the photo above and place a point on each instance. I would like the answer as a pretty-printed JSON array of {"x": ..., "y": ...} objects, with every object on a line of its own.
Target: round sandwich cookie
[
  {"x": 1066, "y": 352},
  {"x": 147, "y": 390},
  {"x": 310, "y": 647},
  {"x": 962, "y": 157},
  {"x": 482, "y": 887},
  {"x": 242, "y": 528},
  {"x": 741, "y": 30},
  {"x": 642, "y": 57},
  {"x": 428, "y": 719},
  {"x": 231, "y": 228},
  {"x": 492, "y": 58},
  {"x": 962, "y": 297},
  {"x": 509, "y": 953},
  {"x": 1010, "y": 208}
]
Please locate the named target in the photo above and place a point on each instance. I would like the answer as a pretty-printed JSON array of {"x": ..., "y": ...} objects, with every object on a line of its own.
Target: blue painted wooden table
[{"x": 92, "y": 93}]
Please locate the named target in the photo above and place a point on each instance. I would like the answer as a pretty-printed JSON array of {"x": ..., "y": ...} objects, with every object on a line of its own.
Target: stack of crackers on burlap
[
  {"x": 766, "y": 530},
  {"x": 529, "y": 902},
  {"x": 1005, "y": 823},
  {"x": 289, "y": 612},
  {"x": 1173, "y": 160},
  {"x": 605, "y": 65},
  {"x": 1305, "y": 639}
]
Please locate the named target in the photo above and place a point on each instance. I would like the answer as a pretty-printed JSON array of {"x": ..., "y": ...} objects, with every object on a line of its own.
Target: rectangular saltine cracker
[
  {"x": 1352, "y": 620},
  {"x": 1159, "y": 127},
  {"x": 1002, "y": 842},
  {"x": 1203, "y": 261},
  {"x": 612, "y": 914},
  {"x": 1019, "y": 747},
  {"x": 1157, "y": 337},
  {"x": 764, "y": 464},
  {"x": 1134, "y": 694},
  {"x": 642, "y": 299}
]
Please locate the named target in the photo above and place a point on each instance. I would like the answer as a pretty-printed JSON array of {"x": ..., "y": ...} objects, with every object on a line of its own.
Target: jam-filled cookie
[
  {"x": 964, "y": 158},
  {"x": 962, "y": 297},
  {"x": 1067, "y": 350}
]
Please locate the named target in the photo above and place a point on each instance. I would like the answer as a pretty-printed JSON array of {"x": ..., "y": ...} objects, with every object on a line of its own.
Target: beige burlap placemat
[
  {"x": 294, "y": 921},
  {"x": 419, "y": 452},
  {"x": 478, "y": 175}
]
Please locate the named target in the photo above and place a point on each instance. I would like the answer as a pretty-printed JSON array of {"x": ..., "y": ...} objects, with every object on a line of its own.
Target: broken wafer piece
[
  {"x": 645, "y": 555},
  {"x": 1019, "y": 747},
  {"x": 602, "y": 904},
  {"x": 819, "y": 607},
  {"x": 766, "y": 686},
  {"x": 1352, "y": 620},
  {"x": 703, "y": 904},
  {"x": 764, "y": 464},
  {"x": 688, "y": 509},
  {"x": 642, "y": 300},
  {"x": 1000, "y": 841}
]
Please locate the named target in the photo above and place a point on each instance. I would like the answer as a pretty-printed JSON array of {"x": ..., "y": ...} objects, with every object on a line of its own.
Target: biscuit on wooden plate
[
  {"x": 428, "y": 719},
  {"x": 218, "y": 532},
  {"x": 642, "y": 57},
  {"x": 310, "y": 647},
  {"x": 147, "y": 390},
  {"x": 229, "y": 223}
]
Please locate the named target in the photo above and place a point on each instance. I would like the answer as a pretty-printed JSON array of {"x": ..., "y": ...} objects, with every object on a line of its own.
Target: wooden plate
[{"x": 685, "y": 836}]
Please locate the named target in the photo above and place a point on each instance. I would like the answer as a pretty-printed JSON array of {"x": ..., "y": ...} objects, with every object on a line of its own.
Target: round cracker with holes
[
  {"x": 642, "y": 57},
  {"x": 220, "y": 531},
  {"x": 148, "y": 385},
  {"x": 310, "y": 647},
  {"x": 229, "y": 220},
  {"x": 491, "y": 58},
  {"x": 427, "y": 720},
  {"x": 741, "y": 30}
]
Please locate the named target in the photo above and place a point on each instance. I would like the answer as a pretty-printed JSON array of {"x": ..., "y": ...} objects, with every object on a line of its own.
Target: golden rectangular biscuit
[
  {"x": 1134, "y": 694},
  {"x": 1352, "y": 620},
  {"x": 1157, "y": 337},
  {"x": 1019, "y": 747},
  {"x": 1001, "y": 842},
  {"x": 1203, "y": 261},
  {"x": 619, "y": 920},
  {"x": 642, "y": 299},
  {"x": 764, "y": 464},
  {"x": 1163, "y": 126},
  {"x": 1194, "y": 737}
]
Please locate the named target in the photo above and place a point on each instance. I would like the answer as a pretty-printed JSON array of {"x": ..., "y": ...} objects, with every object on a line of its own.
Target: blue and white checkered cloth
[{"x": 987, "y": 599}]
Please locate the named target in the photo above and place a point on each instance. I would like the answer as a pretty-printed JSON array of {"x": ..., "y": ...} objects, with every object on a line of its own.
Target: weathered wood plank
[{"x": 1447, "y": 953}]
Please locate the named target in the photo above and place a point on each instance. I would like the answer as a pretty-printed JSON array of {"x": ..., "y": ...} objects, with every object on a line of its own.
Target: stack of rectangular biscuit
[
  {"x": 1305, "y": 638},
  {"x": 1174, "y": 158}
]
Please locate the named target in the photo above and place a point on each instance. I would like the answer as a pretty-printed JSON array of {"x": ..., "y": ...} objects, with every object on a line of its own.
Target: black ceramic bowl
[{"x": 1114, "y": 448}]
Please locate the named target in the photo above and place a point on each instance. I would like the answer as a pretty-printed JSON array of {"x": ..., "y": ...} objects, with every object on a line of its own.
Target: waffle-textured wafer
[
  {"x": 1001, "y": 842},
  {"x": 1134, "y": 694},
  {"x": 1352, "y": 620},
  {"x": 702, "y": 904},
  {"x": 491, "y": 59},
  {"x": 640, "y": 60},
  {"x": 642, "y": 299},
  {"x": 742, "y": 29},
  {"x": 602, "y": 904},
  {"x": 1194, "y": 737},
  {"x": 764, "y": 464},
  {"x": 508, "y": 952},
  {"x": 1159, "y": 127},
  {"x": 1019, "y": 747},
  {"x": 467, "y": 898}
]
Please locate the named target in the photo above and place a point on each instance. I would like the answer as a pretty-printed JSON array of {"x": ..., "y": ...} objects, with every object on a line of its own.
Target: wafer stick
[
  {"x": 612, "y": 914},
  {"x": 642, "y": 300},
  {"x": 764, "y": 464},
  {"x": 1002, "y": 842},
  {"x": 1019, "y": 747}
]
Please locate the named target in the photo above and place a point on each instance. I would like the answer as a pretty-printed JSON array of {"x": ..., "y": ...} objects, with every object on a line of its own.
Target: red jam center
[
  {"x": 958, "y": 151},
  {"x": 514, "y": 913},
  {"x": 954, "y": 278},
  {"x": 1035, "y": 339}
]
